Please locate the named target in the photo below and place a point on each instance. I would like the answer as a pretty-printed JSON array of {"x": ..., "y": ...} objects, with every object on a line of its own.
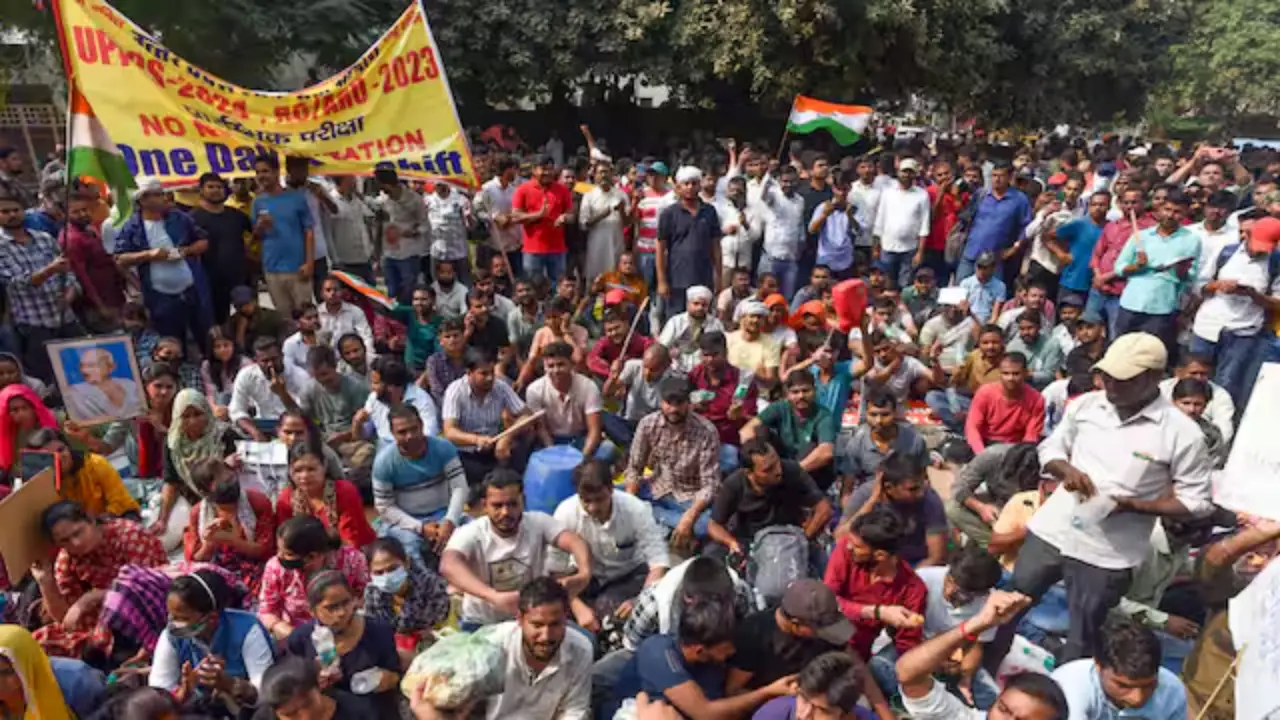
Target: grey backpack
[{"x": 779, "y": 556}]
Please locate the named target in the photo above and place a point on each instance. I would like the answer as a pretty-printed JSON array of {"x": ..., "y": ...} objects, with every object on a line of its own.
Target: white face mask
[{"x": 391, "y": 582}]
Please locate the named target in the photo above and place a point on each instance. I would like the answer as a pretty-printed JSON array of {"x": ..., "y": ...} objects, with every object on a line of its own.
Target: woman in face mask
[
  {"x": 209, "y": 654},
  {"x": 87, "y": 477},
  {"x": 304, "y": 547},
  {"x": 406, "y": 595},
  {"x": 366, "y": 662},
  {"x": 233, "y": 527}
]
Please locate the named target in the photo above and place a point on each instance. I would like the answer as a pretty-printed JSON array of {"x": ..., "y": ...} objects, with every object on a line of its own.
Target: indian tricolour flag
[
  {"x": 846, "y": 123},
  {"x": 93, "y": 155}
]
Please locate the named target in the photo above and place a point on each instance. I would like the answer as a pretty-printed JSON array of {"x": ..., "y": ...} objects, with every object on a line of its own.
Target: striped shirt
[
  {"x": 407, "y": 489},
  {"x": 479, "y": 415},
  {"x": 650, "y": 207}
]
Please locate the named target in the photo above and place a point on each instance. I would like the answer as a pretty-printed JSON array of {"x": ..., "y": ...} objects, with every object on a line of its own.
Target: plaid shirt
[
  {"x": 685, "y": 458},
  {"x": 644, "y": 622},
  {"x": 41, "y": 306}
]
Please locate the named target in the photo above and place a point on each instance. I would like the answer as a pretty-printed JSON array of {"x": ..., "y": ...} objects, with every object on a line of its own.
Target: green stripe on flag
[
  {"x": 108, "y": 167},
  {"x": 841, "y": 133}
]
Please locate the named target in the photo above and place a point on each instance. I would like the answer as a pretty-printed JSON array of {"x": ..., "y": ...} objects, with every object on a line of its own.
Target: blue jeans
[
  {"x": 173, "y": 315},
  {"x": 882, "y": 666},
  {"x": 414, "y": 544},
  {"x": 1234, "y": 363},
  {"x": 788, "y": 272},
  {"x": 966, "y": 268},
  {"x": 897, "y": 266},
  {"x": 618, "y": 429},
  {"x": 947, "y": 405},
  {"x": 1164, "y": 327},
  {"x": 401, "y": 275},
  {"x": 1108, "y": 306},
  {"x": 729, "y": 459},
  {"x": 667, "y": 512},
  {"x": 549, "y": 264}
]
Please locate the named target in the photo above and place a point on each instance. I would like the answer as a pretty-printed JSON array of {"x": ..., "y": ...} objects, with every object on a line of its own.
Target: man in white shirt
[
  {"x": 1216, "y": 231},
  {"x": 268, "y": 388},
  {"x": 449, "y": 219},
  {"x": 339, "y": 317},
  {"x": 1125, "y": 456},
  {"x": 349, "y": 241},
  {"x": 493, "y": 206},
  {"x": 902, "y": 225},
  {"x": 1221, "y": 410},
  {"x": 681, "y": 333},
  {"x": 864, "y": 195},
  {"x": 391, "y": 386},
  {"x": 628, "y": 552},
  {"x": 548, "y": 665},
  {"x": 742, "y": 222},
  {"x": 957, "y": 594},
  {"x": 784, "y": 232},
  {"x": 491, "y": 558},
  {"x": 603, "y": 213}
]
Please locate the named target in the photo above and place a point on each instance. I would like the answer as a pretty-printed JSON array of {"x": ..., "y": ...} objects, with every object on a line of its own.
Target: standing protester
[
  {"x": 542, "y": 207},
  {"x": 321, "y": 207},
  {"x": 102, "y": 282},
  {"x": 493, "y": 207},
  {"x": 405, "y": 235},
  {"x": 226, "y": 229},
  {"x": 837, "y": 224},
  {"x": 449, "y": 218},
  {"x": 603, "y": 214},
  {"x": 902, "y": 225},
  {"x": 1160, "y": 265},
  {"x": 284, "y": 225},
  {"x": 1104, "y": 295},
  {"x": 998, "y": 222},
  {"x": 688, "y": 235},
  {"x": 349, "y": 238},
  {"x": 649, "y": 202},
  {"x": 815, "y": 192},
  {"x": 784, "y": 232}
]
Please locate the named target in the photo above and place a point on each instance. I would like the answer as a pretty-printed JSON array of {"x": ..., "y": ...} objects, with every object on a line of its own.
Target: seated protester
[
  {"x": 750, "y": 349},
  {"x": 1091, "y": 335},
  {"x": 886, "y": 367},
  {"x": 295, "y": 347},
  {"x": 559, "y": 328},
  {"x": 169, "y": 350},
  {"x": 1031, "y": 296},
  {"x": 636, "y": 382},
  {"x": 921, "y": 297},
  {"x": 1192, "y": 396},
  {"x": 87, "y": 478},
  {"x": 953, "y": 331},
  {"x": 1070, "y": 309},
  {"x": 728, "y": 300},
  {"x": 405, "y": 594},
  {"x": 608, "y": 351},
  {"x": 819, "y": 282},
  {"x": 332, "y": 403},
  {"x": 984, "y": 290},
  {"x": 233, "y": 527},
  {"x": 688, "y": 670},
  {"x": 194, "y": 434},
  {"x": 1058, "y": 393},
  {"x": 570, "y": 401},
  {"x": 353, "y": 357},
  {"x": 91, "y": 552},
  {"x": 628, "y": 552},
  {"x": 1026, "y": 696},
  {"x": 882, "y": 433},
  {"x": 902, "y": 484},
  {"x": 980, "y": 367},
  {"x": 888, "y": 318},
  {"x": 24, "y": 414},
  {"x": 422, "y": 328},
  {"x": 314, "y": 491},
  {"x": 39, "y": 686},
  {"x": 1168, "y": 560},
  {"x": 1009, "y": 531},
  {"x": 987, "y": 483},
  {"x": 392, "y": 387},
  {"x": 446, "y": 364},
  {"x": 363, "y": 645},
  {"x": 12, "y": 373},
  {"x": 765, "y": 492},
  {"x": 294, "y": 427},
  {"x": 419, "y": 487},
  {"x": 339, "y": 317},
  {"x": 829, "y": 686},
  {"x": 527, "y": 317},
  {"x": 1009, "y": 412},
  {"x": 491, "y": 558},
  {"x": 800, "y": 429},
  {"x": 957, "y": 593},
  {"x": 833, "y": 381},
  {"x": 303, "y": 547},
  {"x": 683, "y": 452},
  {"x": 500, "y": 306},
  {"x": 682, "y": 334},
  {"x": 878, "y": 590},
  {"x": 480, "y": 328},
  {"x": 266, "y": 389},
  {"x": 723, "y": 394},
  {"x": 1221, "y": 409},
  {"x": 291, "y": 689},
  {"x": 656, "y": 609},
  {"x": 1044, "y": 356},
  {"x": 476, "y": 409},
  {"x": 451, "y": 295},
  {"x": 251, "y": 321},
  {"x": 210, "y": 656},
  {"x": 219, "y": 369},
  {"x": 777, "y": 325},
  {"x": 1125, "y": 678}
]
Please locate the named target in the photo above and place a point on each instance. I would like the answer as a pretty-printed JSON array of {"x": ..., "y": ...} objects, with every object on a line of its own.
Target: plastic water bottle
[
  {"x": 366, "y": 681},
  {"x": 326, "y": 647}
]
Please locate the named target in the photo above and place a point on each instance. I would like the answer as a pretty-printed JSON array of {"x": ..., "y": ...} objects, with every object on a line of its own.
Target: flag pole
[{"x": 786, "y": 131}]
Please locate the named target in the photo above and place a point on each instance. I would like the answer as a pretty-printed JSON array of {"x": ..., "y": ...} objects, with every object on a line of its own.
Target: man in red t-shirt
[
  {"x": 945, "y": 202},
  {"x": 542, "y": 206}
]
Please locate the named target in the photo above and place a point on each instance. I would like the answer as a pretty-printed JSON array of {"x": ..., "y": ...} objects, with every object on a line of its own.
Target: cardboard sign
[
  {"x": 1248, "y": 482},
  {"x": 20, "y": 533}
]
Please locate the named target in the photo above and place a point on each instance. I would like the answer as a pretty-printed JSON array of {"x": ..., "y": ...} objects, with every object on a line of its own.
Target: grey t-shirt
[
  {"x": 334, "y": 411},
  {"x": 642, "y": 396}
]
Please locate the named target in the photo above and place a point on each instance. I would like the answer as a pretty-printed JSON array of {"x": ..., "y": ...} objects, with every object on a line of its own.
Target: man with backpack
[{"x": 1245, "y": 285}]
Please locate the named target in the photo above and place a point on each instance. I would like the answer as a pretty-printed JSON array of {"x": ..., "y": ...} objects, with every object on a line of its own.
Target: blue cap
[{"x": 659, "y": 168}]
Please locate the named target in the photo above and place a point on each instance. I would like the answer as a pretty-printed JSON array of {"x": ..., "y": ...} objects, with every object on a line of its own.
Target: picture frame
[{"x": 99, "y": 378}]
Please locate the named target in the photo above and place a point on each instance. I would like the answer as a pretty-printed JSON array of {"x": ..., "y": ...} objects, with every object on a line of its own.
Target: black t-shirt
[
  {"x": 492, "y": 336},
  {"x": 745, "y": 512},
  {"x": 348, "y": 707},
  {"x": 226, "y": 260},
  {"x": 812, "y": 199},
  {"x": 768, "y": 653},
  {"x": 377, "y": 648}
]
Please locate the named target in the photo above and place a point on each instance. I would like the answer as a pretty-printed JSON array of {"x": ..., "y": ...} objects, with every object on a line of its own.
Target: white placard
[
  {"x": 1251, "y": 616},
  {"x": 1251, "y": 480},
  {"x": 951, "y": 295}
]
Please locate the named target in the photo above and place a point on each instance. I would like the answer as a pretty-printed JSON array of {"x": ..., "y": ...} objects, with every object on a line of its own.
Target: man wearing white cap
[
  {"x": 750, "y": 349},
  {"x": 688, "y": 236},
  {"x": 681, "y": 333},
  {"x": 1125, "y": 456},
  {"x": 902, "y": 225}
]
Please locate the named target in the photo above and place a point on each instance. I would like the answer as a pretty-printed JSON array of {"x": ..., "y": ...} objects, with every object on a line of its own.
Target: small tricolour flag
[
  {"x": 846, "y": 123},
  {"x": 91, "y": 154}
]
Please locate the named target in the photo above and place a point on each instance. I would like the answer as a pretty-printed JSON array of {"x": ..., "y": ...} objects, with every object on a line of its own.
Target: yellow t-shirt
[
  {"x": 1016, "y": 513},
  {"x": 97, "y": 487},
  {"x": 748, "y": 355}
]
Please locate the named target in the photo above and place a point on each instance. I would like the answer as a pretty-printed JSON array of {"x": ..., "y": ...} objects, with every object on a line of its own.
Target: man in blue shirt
[
  {"x": 983, "y": 290},
  {"x": 1160, "y": 264},
  {"x": 283, "y": 222},
  {"x": 998, "y": 222},
  {"x": 1073, "y": 242},
  {"x": 834, "y": 224},
  {"x": 1124, "y": 680}
]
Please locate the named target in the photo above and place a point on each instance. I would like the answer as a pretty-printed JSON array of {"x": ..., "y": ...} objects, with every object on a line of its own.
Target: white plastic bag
[{"x": 457, "y": 669}]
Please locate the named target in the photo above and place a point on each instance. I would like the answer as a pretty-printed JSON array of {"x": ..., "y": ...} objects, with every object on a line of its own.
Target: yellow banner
[{"x": 173, "y": 121}]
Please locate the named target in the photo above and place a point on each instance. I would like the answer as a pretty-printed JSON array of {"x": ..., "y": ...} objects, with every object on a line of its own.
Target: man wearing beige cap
[
  {"x": 902, "y": 225},
  {"x": 1125, "y": 456}
]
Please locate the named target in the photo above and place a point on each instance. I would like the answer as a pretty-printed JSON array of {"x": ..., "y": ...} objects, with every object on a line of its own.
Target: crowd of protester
[{"x": 758, "y": 526}]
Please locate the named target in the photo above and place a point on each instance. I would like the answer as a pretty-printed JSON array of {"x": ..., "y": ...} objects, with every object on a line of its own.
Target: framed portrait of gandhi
[{"x": 99, "y": 378}]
